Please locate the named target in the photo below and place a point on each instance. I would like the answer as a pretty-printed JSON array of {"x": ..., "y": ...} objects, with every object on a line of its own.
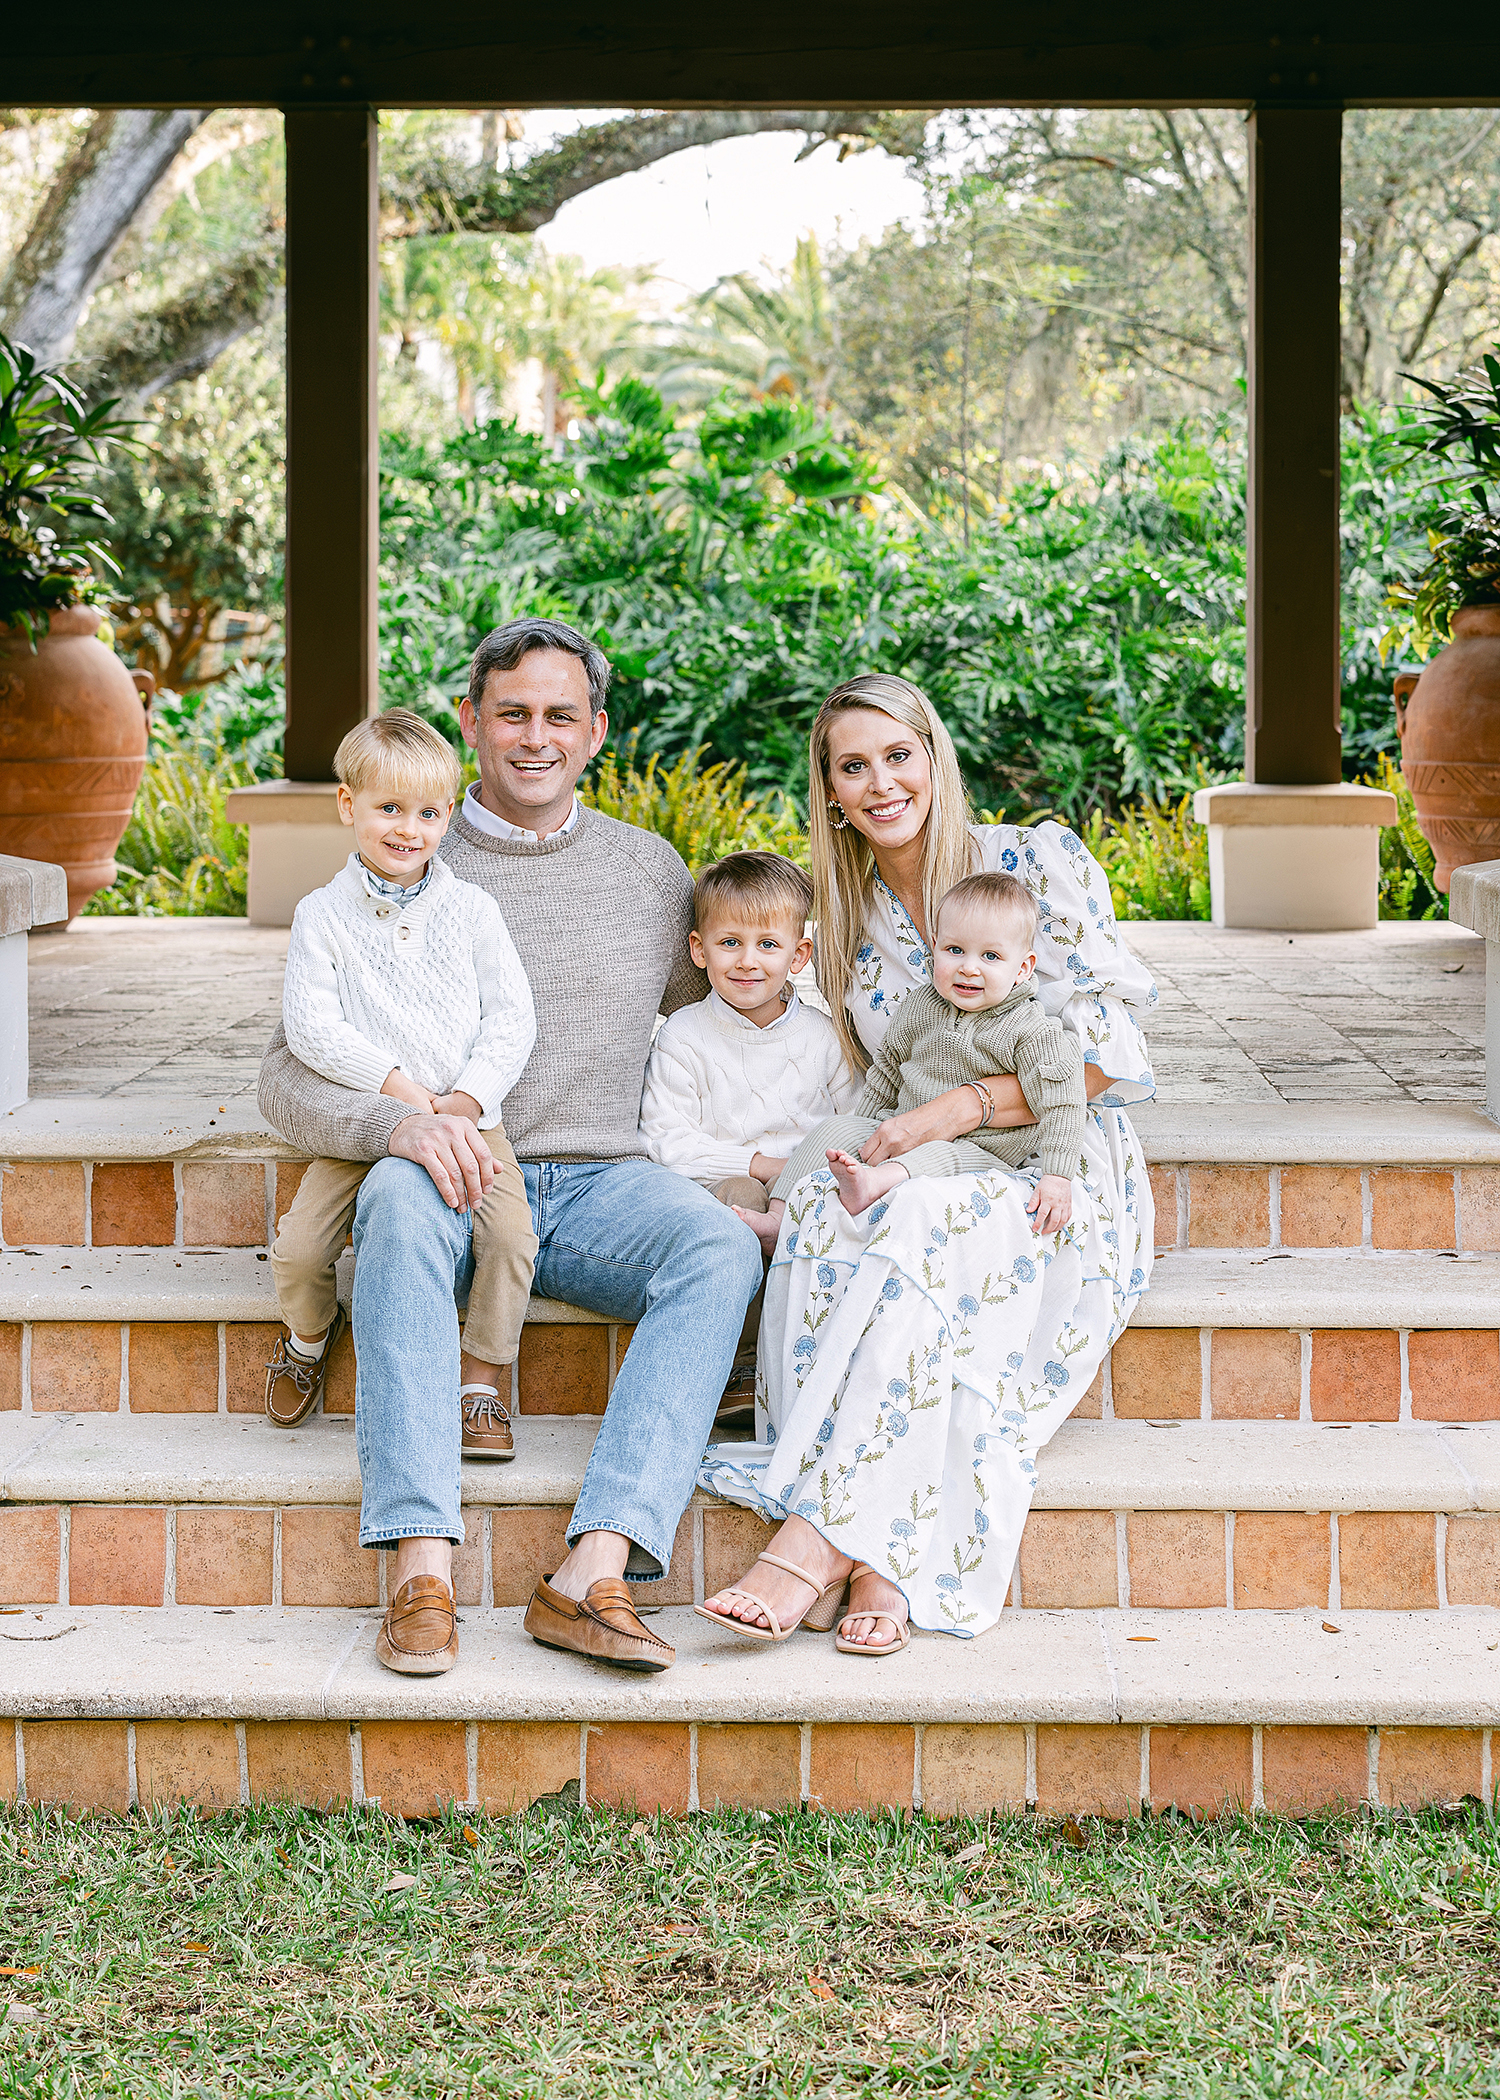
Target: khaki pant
[
  {"x": 311, "y": 1238},
  {"x": 749, "y": 1194}
]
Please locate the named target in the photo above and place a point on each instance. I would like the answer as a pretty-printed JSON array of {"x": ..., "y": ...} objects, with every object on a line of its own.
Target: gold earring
[{"x": 841, "y": 821}]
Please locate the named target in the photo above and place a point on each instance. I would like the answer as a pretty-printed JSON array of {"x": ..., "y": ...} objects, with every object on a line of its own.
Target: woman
[{"x": 914, "y": 1359}]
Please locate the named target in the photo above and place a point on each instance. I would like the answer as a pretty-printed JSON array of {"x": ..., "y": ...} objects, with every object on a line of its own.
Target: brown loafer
[
  {"x": 419, "y": 1634},
  {"x": 604, "y": 1627},
  {"x": 487, "y": 1430},
  {"x": 294, "y": 1386}
]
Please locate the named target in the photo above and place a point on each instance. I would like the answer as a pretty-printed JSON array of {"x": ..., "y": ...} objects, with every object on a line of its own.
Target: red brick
[
  {"x": 117, "y": 1555},
  {"x": 1388, "y": 1560},
  {"x": 1255, "y": 1374},
  {"x": 1176, "y": 1558},
  {"x": 41, "y": 1203},
  {"x": 1068, "y": 1560},
  {"x": 174, "y": 1367},
  {"x": 224, "y": 1203},
  {"x": 414, "y": 1768},
  {"x": 638, "y": 1764},
  {"x": 224, "y": 1556},
  {"x": 1356, "y": 1374},
  {"x": 1455, "y": 1374},
  {"x": 749, "y": 1765},
  {"x": 77, "y": 1764},
  {"x": 303, "y": 1761},
  {"x": 322, "y": 1561},
  {"x": 133, "y": 1203},
  {"x": 861, "y": 1765},
  {"x": 1201, "y": 1768},
  {"x": 1088, "y": 1769},
  {"x": 1307, "y": 1771},
  {"x": 563, "y": 1369},
  {"x": 30, "y": 1555},
  {"x": 1418, "y": 1765},
  {"x": 520, "y": 1761},
  {"x": 75, "y": 1367},
  {"x": 1157, "y": 1373},
  {"x": 187, "y": 1761},
  {"x": 10, "y": 1367}
]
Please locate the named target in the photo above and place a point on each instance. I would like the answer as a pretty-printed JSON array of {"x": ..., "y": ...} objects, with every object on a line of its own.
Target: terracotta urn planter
[
  {"x": 73, "y": 725},
  {"x": 1448, "y": 720}
]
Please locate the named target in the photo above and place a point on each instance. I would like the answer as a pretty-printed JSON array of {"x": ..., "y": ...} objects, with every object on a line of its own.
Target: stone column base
[
  {"x": 1294, "y": 859},
  {"x": 297, "y": 843}
]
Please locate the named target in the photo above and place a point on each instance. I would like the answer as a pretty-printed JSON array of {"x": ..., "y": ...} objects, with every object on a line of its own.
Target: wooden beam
[
  {"x": 332, "y": 464},
  {"x": 1292, "y": 650},
  {"x": 793, "y": 54}
]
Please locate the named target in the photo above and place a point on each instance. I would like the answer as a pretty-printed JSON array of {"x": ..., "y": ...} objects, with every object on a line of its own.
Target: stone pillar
[
  {"x": 1474, "y": 901},
  {"x": 332, "y": 500},
  {"x": 1293, "y": 847}
]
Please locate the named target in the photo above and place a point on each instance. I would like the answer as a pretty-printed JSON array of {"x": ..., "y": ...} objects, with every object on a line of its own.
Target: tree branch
[
  {"x": 183, "y": 337},
  {"x": 432, "y": 193},
  {"x": 100, "y": 191}
]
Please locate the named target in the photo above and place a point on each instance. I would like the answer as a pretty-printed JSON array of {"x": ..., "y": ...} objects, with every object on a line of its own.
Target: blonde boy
[
  {"x": 402, "y": 980},
  {"x": 736, "y": 1082}
]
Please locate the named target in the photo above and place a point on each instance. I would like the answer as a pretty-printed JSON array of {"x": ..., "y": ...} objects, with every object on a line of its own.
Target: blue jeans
[{"x": 623, "y": 1238}]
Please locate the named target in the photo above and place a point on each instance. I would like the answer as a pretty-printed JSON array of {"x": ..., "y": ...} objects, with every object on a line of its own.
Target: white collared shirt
[{"x": 485, "y": 820}]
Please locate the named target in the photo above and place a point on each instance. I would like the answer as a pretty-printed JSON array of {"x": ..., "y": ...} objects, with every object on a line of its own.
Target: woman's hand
[
  {"x": 948, "y": 1116},
  {"x": 1052, "y": 1205}
]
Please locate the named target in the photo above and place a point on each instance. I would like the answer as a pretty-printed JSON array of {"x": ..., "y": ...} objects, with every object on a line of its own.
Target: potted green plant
[
  {"x": 72, "y": 726},
  {"x": 1448, "y": 714}
]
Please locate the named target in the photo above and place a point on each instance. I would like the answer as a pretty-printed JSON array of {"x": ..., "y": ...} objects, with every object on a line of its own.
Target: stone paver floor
[{"x": 183, "y": 1008}]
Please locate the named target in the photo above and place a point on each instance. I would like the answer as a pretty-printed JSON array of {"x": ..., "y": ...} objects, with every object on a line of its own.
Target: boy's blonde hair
[
  {"x": 399, "y": 750},
  {"x": 753, "y": 882},
  {"x": 998, "y": 893}
]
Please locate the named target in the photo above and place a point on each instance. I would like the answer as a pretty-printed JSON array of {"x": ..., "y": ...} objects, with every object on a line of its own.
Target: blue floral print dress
[{"x": 915, "y": 1359}]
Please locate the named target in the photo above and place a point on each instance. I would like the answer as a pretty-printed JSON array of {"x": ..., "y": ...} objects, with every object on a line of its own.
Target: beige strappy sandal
[
  {"x": 903, "y": 1627},
  {"x": 818, "y": 1618}
]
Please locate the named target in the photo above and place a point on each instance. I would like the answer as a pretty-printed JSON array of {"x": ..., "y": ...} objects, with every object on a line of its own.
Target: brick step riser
[
  {"x": 309, "y": 1555},
  {"x": 204, "y": 1367},
  {"x": 423, "y": 1768},
  {"x": 237, "y": 1203},
  {"x": 1263, "y": 1209}
]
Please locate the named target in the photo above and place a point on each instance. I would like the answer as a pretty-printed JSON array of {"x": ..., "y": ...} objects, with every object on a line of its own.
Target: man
[{"x": 600, "y": 913}]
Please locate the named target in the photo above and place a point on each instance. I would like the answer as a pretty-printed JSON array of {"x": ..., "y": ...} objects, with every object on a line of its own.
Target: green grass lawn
[{"x": 266, "y": 1952}]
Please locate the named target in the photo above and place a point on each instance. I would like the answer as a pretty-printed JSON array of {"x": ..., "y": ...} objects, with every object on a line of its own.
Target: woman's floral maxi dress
[{"x": 915, "y": 1359}]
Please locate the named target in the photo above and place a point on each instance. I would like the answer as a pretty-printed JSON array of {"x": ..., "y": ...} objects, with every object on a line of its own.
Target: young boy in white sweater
[
  {"x": 736, "y": 1082},
  {"x": 402, "y": 980}
]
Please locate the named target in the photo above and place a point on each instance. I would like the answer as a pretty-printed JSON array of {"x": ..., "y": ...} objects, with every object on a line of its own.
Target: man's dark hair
[{"x": 503, "y": 650}]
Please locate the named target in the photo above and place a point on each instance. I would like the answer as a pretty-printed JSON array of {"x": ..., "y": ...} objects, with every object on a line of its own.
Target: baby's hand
[{"x": 1052, "y": 1205}]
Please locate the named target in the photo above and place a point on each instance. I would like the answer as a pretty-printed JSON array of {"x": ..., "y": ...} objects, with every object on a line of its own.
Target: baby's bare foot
[
  {"x": 765, "y": 1224},
  {"x": 859, "y": 1186}
]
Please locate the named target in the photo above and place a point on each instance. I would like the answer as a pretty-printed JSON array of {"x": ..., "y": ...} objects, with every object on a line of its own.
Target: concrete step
[
  {"x": 156, "y": 1510},
  {"x": 1088, "y": 1713},
  {"x": 1401, "y": 1176},
  {"x": 1355, "y": 1336}
]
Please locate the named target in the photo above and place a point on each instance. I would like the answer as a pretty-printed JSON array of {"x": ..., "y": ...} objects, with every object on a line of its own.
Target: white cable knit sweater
[
  {"x": 719, "y": 1089},
  {"x": 434, "y": 987}
]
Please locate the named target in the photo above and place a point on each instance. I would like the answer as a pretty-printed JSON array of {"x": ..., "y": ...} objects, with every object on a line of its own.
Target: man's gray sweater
[{"x": 600, "y": 916}]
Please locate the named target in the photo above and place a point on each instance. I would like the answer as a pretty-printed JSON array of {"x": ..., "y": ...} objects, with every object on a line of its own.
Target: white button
[{"x": 382, "y": 911}]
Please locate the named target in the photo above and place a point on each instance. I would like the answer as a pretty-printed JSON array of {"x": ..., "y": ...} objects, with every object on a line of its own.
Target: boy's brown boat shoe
[
  {"x": 294, "y": 1384},
  {"x": 419, "y": 1634},
  {"x": 604, "y": 1626},
  {"x": 486, "y": 1432}
]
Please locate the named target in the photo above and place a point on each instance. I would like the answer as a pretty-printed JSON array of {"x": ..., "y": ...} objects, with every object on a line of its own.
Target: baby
[
  {"x": 736, "y": 1082},
  {"x": 402, "y": 980},
  {"x": 978, "y": 1017}
]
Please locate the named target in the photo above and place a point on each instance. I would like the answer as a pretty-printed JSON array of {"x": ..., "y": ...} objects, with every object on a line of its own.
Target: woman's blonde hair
[{"x": 842, "y": 863}]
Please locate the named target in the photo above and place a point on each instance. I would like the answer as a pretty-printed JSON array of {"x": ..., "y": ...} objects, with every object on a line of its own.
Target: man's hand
[
  {"x": 452, "y": 1151},
  {"x": 457, "y": 1105},
  {"x": 767, "y": 1170},
  {"x": 1052, "y": 1205}
]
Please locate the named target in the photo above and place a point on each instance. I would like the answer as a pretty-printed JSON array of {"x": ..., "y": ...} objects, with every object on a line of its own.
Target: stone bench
[{"x": 32, "y": 893}]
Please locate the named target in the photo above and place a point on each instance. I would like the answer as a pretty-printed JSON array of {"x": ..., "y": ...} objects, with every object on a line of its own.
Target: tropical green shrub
[
  {"x": 1156, "y": 860},
  {"x": 705, "y": 811},
  {"x": 1408, "y": 889},
  {"x": 180, "y": 855}
]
